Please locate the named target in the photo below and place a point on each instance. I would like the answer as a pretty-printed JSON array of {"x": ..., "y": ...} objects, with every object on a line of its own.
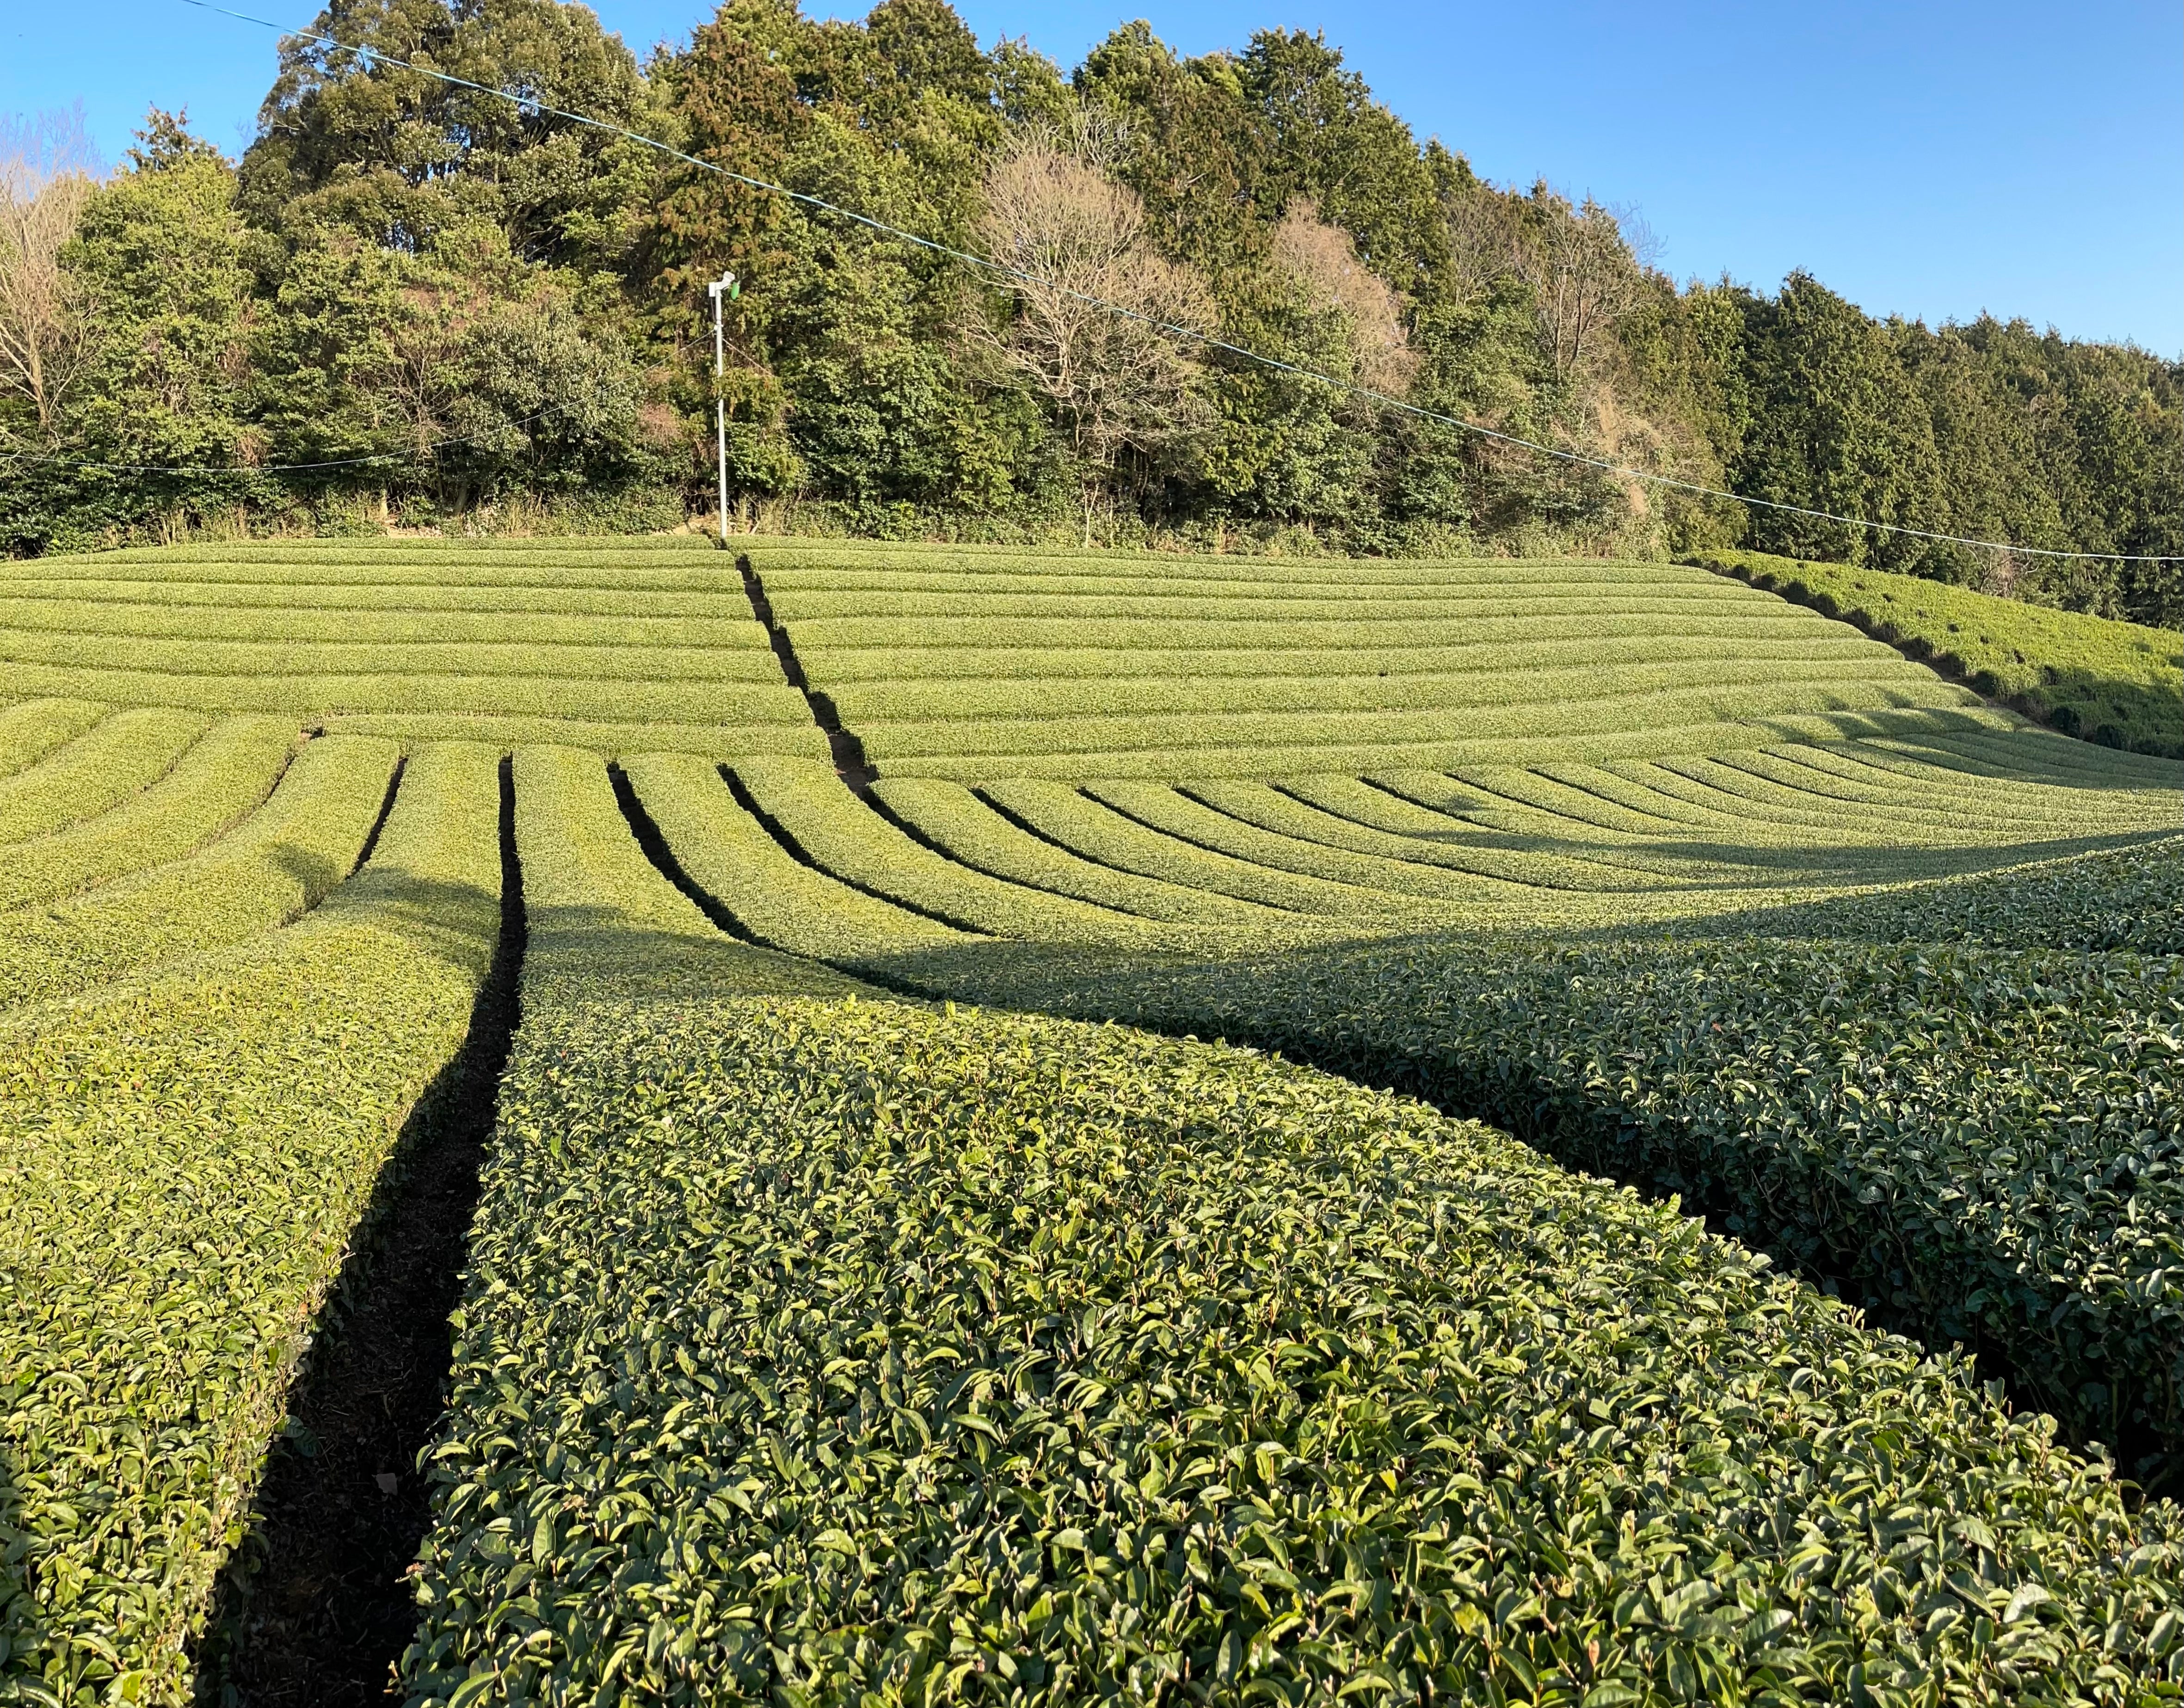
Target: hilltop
[{"x": 411, "y": 303}]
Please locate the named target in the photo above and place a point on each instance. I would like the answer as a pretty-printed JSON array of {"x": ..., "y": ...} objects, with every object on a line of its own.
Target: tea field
[
  {"x": 2121, "y": 684},
  {"x": 1087, "y": 1128}
]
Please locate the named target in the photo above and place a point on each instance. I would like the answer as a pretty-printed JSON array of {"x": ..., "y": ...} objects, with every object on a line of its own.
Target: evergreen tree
[{"x": 492, "y": 302}]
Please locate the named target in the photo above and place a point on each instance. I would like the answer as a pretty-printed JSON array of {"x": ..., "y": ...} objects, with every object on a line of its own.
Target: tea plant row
[
  {"x": 863, "y": 1352},
  {"x": 282, "y": 860},
  {"x": 188, "y": 1156},
  {"x": 2116, "y": 682},
  {"x": 1982, "y": 1145},
  {"x": 622, "y": 647}
]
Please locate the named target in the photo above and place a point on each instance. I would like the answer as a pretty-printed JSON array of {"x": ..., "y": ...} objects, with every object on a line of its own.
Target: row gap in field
[{"x": 315, "y": 1607}]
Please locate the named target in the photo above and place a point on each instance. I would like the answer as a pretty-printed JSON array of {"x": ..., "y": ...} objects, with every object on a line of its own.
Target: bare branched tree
[
  {"x": 1582, "y": 273},
  {"x": 1482, "y": 238},
  {"x": 46, "y": 175},
  {"x": 1322, "y": 262},
  {"x": 1076, "y": 241}
]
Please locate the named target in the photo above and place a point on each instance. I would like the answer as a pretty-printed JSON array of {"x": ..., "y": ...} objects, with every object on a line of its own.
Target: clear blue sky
[{"x": 1927, "y": 157}]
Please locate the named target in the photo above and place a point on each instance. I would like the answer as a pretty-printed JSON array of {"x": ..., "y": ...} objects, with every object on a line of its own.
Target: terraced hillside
[
  {"x": 982, "y": 663},
  {"x": 599, "y": 644},
  {"x": 1429, "y": 742},
  {"x": 823, "y": 1340},
  {"x": 2120, "y": 684}
]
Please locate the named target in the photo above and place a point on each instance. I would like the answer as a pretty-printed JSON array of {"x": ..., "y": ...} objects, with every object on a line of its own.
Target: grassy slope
[{"x": 2118, "y": 683}]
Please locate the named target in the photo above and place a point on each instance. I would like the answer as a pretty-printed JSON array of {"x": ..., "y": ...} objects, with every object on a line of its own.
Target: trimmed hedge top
[
  {"x": 2121, "y": 684},
  {"x": 860, "y": 1354}
]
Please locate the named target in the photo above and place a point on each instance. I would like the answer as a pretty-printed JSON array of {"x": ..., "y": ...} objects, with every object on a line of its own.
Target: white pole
[{"x": 721, "y": 287}]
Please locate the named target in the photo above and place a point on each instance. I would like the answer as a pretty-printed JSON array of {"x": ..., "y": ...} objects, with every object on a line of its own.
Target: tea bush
[
  {"x": 1982, "y": 1145},
  {"x": 282, "y": 860},
  {"x": 99, "y": 769},
  {"x": 184, "y": 1160},
  {"x": 627, "y": 648},
  {"x": 971, "y": 829},
  {"x": 834, "y": 830},
  {"x": 2114, "y": 683},
  {"x": 2127, "y": 899},
  {"x": 228, "y": 770},
  {"x": 1093, "y": 823},
  {"x": 1433, "y": 678},
  {"x": 978, "y": 667},
  {"x": 849, "y": 1353},
  {"x": 773, "y": 898},
  {"x": 603, "y": 924},
  {"x": 32, "y": 729}
]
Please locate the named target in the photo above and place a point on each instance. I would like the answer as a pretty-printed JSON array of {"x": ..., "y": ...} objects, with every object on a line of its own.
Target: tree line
[{"x": 413, "y": 301}]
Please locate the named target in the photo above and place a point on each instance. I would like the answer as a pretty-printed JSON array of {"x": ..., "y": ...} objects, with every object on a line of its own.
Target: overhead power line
[
  {"x": 274, "y": 468},
  {"x": 1186, "y": 334}
]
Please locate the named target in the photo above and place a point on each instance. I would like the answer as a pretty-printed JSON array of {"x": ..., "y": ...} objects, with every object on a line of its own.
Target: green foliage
[
  {"x": 224, "y": 774},
  {"x": 398, "y": 159},
  {"x": 1206, "y": 669},
  {"x": 871, "y": 1354},
  {"x": 989, "y": 832},
  {"x": 772, "y": 897},
  {"x": 96, "y": 771},
  {"x": 603, "y": 924},
  {"x": 625, "y": 649},
  {"x": 282, "y": 860},
  {"x": 187, "y": 1158},
  {"x": 1836, "y": 425},
  {"x": 394, "y": 265},
  {"x": 1300, "y": 830},
  {"x": 2121, "y": 684},
  {"x": 825, "y": 824},
  {"x": 1123, "y": 825},
  {"x": 2127, "y": 899},
  {"x": 160, "y": 306},
  {"x": 1978, "y": 1144},
  {"x": 161, "y": 257},
  {"x": 842, "y": 331},
  {"x": 31, "y": 729}
]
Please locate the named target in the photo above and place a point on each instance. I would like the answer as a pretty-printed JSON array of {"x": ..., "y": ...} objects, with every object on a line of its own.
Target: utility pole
[{"x": 724, "y": 288}]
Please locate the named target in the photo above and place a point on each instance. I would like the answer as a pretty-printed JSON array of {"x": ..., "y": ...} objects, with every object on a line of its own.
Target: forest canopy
[{"x": 455, "y": 307}]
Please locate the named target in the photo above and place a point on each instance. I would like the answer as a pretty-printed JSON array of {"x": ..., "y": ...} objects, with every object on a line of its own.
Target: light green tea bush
[
  {"x": 2114, "y": 683},
  {"x": 31, "y": 729},
  {"x": 832, "y": 829},
  {"x": 975, "y": 830},
  {"x": 226, "y": 773},
  {"x": 99, "y": 769},
  {"x": 1170, "y": 750},
  {"x": 185, "y": 1160},
  {"x": 772, "y": 897},
  {"x": 32, "y": 624},
  {"x": 605, "y": 924},
  {"x": 436, "y": 656},
  {"x": 283, "y": 859}
]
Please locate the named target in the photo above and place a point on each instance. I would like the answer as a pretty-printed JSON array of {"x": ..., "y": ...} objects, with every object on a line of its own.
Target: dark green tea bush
[
  {"x": 2130, "y": 899},
  {"x": 824, "y": 1352},
  {"x": 1984, "y": 1146}
]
